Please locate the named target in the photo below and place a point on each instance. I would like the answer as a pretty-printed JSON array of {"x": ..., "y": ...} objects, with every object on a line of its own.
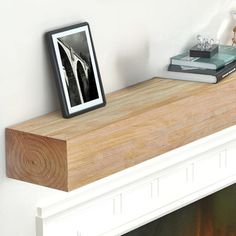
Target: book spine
[
  {"x": 193, "y": 70},
  {"x": 223, "y": 74}
]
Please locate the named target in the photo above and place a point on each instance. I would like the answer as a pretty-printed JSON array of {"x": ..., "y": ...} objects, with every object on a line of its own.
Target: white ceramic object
[{"x": 234, "y": 15}]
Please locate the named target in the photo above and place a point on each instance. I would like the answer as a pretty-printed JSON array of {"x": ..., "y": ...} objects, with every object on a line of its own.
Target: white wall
[{"x": 133, "y": 39}]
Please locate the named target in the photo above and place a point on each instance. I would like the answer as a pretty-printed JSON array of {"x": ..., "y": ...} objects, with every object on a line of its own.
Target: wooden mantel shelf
[{"x": 138, "y": 123}]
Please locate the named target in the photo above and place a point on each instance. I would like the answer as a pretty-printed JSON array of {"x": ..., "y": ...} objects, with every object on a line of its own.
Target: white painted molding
[
  {"x": 140, "y": 194},
  {"x": 173, "y": 206}
]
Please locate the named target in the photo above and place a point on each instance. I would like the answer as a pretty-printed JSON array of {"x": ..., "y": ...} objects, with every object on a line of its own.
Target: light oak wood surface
[{"x": 138, "y": 123}]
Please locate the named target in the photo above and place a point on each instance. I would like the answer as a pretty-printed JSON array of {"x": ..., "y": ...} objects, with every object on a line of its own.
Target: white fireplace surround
[{"x": 131, "y": 198}]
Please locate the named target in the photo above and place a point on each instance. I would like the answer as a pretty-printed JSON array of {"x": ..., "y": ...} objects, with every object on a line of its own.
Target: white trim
[
  {"x": 145, "y": 219},
  {"x": 179, "y": 167}
]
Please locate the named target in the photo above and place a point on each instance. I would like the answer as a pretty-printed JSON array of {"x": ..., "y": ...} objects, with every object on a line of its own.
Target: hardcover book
[
  {"x": 217, "y": 61},
  {"x": 199, "y": 74},
  {"x": 227, "y": 49}
]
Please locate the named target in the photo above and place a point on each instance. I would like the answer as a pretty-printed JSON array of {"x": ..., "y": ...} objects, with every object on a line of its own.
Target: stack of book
[{"x": 209, "y": 68}]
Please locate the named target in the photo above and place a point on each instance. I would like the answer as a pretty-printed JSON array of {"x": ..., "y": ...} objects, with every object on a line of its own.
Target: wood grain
[
  {"x": 139, "y": 123},
  {"x": 36, "y": 159}
]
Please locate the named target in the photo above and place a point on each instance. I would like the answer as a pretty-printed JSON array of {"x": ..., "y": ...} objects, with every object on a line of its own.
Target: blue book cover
[
  {"x": 226, "y": 55},
  {"x": 229, "y": 50}
]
